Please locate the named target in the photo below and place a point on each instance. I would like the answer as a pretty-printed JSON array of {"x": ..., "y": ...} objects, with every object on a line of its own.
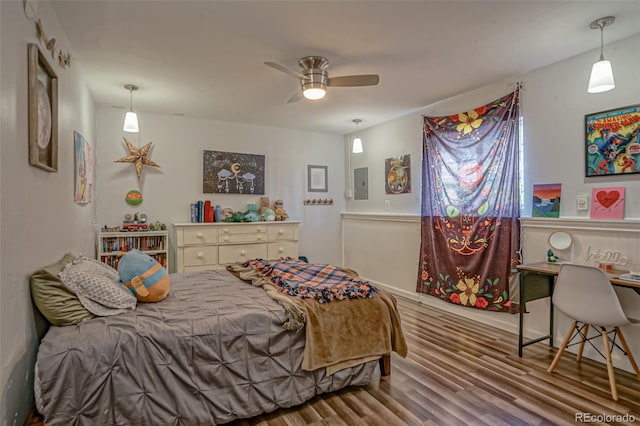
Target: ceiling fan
[{"x": 314, "y": 78}]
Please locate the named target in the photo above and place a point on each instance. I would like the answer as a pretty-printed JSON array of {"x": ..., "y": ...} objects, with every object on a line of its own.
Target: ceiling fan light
[
  {"x": 314, "y": 93},
  {"x": 131, "y": 122},
  {"x": 601, "y": 79},
  {"x": 357, "y": 145}
]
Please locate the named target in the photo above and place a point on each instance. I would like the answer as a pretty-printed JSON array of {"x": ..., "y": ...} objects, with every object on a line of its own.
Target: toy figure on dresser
[
  {"x": 551, "y": 258},
  {"x": 281, "y": 213}
]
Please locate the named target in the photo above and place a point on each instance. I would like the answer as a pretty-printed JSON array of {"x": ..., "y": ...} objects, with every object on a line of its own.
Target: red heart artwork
[{"x": 607, "y": 198}]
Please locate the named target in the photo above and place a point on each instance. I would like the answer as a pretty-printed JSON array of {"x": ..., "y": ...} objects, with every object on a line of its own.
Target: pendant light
[
  {"x": 357, "y": 142},
  {"x": 131, "y": 119},
  {"x": 601, "y": 73}
]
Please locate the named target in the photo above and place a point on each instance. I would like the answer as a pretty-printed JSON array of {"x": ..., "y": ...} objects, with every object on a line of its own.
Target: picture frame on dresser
[
  {"x": 43, "y": 111},
  {"x": 317, "y": 179}
]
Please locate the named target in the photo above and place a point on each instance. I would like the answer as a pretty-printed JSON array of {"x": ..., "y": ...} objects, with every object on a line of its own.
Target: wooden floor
[{"x": 459, "y": 372}]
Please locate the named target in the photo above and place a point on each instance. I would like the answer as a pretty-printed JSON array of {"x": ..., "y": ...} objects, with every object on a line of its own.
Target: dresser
[{"x": 212, "y": 245}]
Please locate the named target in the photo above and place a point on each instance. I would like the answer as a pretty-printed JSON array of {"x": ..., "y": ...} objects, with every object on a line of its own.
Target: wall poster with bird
[{"x": 232, "y": 173}]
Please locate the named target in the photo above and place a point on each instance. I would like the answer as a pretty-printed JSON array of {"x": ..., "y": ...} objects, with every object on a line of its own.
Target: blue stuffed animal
[{"x": 144, "y": 276}]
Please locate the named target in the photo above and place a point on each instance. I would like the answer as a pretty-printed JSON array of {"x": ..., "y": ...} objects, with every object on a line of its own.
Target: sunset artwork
[
  {"x": 546, "y": 200},
  {"x": 607, "y": 203}
]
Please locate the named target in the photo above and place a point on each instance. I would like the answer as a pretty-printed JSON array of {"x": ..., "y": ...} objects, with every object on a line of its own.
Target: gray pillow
[{"x": 57, "y": 303}]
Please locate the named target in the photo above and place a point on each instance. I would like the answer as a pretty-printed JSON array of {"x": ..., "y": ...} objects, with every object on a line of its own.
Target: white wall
[
  {"x": 39, "y": 220},
  {"x": 178, "y": 144},
  {"x": 554, "y": 102}
]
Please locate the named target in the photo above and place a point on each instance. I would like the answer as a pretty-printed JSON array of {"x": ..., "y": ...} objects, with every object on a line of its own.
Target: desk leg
[
  {"x": 521, "y": 314},
  {"x": 551, "y": 339}
]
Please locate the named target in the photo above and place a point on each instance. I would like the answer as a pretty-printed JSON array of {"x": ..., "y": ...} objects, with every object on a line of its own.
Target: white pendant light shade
[
  {"x": 130, "y": 118},
  {"x": 131, "y": 122},
  {"x": 357, "y": 142},
  {"x": 601, "y": 77},
  {"x": 357, "y": 145}
]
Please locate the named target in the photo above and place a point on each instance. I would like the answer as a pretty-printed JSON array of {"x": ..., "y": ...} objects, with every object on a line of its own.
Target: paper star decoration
[{"x": 138, "y": 157}]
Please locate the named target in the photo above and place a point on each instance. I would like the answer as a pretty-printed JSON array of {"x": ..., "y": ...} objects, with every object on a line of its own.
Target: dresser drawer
[
  {"x": 199, "y": 235},
  {"x": 241, "y": 238},
  {"x": 243, "y": 229},
  {"x": 199, "y": 256},
  {"x": 242, "y": 253},
  {"x": 283, "y": 249},
  {"x": 283, "y": 232}
]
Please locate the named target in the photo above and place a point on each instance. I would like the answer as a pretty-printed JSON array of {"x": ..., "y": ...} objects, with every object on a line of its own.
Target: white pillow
[{"x": 97, "y": 286}]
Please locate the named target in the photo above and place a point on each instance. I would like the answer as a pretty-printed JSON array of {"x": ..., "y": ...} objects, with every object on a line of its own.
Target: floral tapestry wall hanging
[{"x": 470, "y": 208}]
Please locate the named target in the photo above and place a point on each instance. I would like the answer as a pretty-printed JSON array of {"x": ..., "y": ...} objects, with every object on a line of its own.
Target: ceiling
[{"x": 206, "y": 59}]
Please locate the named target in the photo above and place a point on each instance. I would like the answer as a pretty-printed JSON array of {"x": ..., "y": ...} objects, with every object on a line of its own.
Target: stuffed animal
[
  {"x": 251, "y": 215},
  {"x": 269, "y": 215},
  {"x": 281, "y": 213},
  {"x": 264, "y": 205},
  {"x": 144, "y": 276}
]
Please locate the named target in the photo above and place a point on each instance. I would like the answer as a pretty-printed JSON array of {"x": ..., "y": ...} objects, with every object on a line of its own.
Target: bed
[{"x": 215, "y": 350}]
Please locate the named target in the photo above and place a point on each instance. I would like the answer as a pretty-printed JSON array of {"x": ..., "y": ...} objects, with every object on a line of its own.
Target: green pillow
[{"x": 54, "y": 300}]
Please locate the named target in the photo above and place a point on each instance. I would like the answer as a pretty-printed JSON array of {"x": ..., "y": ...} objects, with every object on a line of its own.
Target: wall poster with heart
[{"x": 607, "y": 203}]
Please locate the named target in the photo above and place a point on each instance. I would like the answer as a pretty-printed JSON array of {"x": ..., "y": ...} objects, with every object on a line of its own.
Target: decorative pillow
[
  {"x": 98, "y": 287},
  {"x": 57, "y": 303},
  {"x": 144, "y": 276}
]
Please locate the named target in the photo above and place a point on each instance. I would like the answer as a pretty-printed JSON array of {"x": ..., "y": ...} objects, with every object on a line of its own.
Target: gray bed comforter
[{"x": 212, "y": 352}]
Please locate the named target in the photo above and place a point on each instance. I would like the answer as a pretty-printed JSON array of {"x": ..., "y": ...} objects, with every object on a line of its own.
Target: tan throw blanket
[{"x": 341, "y": 333}]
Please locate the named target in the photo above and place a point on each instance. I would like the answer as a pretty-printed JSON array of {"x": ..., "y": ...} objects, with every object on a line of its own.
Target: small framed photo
[
  {"x": 612, "y": 144},
  {"x": 43, "y": 111},
  {"x": 317, "y": 179}
]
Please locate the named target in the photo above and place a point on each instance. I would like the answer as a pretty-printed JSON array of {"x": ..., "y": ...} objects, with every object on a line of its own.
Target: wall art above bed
[{"x": 232, "y": 173}]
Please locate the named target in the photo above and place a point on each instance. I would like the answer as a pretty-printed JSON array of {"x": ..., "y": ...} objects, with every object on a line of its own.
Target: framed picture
[
  {"x": 317, "y": 179},
  {"x": 83, "y": 188},
  {"x": 43, "y": 111},
  {"x": 232, "y": 173},
  {"x": 611, "y": 142}
]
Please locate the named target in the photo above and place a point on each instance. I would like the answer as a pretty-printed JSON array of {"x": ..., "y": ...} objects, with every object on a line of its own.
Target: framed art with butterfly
[{"x": 612, "y": 144}]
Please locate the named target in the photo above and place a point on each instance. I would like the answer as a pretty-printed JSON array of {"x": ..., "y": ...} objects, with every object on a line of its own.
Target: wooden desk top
[{"x": 554, "y": 268}]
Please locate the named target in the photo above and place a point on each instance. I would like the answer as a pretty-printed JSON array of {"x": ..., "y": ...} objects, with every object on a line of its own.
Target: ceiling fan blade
[
  {"x": 354, "y": 80},
  {"x": 286, "y": 70},
  {"x": 295, "y": 98}
]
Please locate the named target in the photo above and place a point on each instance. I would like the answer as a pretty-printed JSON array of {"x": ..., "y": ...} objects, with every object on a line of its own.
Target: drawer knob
[
  {"x": 243, "y": 253},
  {"x": 259, "y": 237},
  {"x": 226, "y": 238},
  {"x": 199, "y": 235},
  {"x": 280, "y": 232},
  {"x": 259, "y": 230},
  {"x": 226, "y": 231},
  {"x": 280, "y": 250},
  {"x": 200, "y": 255}
]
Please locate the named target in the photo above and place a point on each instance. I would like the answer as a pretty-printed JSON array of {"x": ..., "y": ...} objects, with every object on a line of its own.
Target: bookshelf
[{"x": 113, "y": 245}]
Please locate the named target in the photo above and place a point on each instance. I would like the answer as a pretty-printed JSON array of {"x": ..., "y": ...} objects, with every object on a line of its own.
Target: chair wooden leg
[
  {"x": 584, "y": 339},
  {"x": 629, "y": 354},
  {"x": 607, "y": 354},
  {"x": 555, "y": 361}
]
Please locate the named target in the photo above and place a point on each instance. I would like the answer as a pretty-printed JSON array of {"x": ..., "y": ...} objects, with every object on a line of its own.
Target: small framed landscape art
[
  {"x": 612, "y": 145},
  {"x": 546, "y": 200},
  {"x": 317, "y": 179},
  {"x": 43, "y": 111}
]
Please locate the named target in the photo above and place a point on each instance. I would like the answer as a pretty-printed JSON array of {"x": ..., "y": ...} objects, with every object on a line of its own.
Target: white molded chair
[{"x": 586, "y": 295}]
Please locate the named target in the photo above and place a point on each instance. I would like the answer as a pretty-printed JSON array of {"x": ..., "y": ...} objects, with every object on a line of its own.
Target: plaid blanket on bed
[{"x": 321, "y": 282}]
